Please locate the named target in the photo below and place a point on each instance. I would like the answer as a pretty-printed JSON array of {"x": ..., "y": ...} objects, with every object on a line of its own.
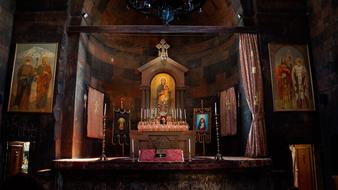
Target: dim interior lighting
[
  {"x": 85, "y": 15},
  {"x": 239, "y": 16},
  {"x": 166, "y": 10},
  {"x": 112, "y": 60}
]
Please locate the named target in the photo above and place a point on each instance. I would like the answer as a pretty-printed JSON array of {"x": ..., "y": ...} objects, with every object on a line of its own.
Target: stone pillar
[{"x": 65, "y": 139}]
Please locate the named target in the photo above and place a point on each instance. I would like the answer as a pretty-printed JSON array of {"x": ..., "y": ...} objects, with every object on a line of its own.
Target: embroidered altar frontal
[{"x": 167, "y": 155}]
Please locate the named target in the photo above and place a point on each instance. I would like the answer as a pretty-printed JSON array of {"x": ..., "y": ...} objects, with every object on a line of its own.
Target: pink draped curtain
[
  {"x": 228, "y": 109},
  {"x": 253, "y": 89}
]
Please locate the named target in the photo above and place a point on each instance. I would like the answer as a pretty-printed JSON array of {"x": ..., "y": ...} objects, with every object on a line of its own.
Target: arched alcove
[{"x": 160, "y": 65}]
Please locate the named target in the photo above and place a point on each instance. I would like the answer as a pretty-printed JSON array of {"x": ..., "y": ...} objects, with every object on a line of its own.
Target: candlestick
[
  {"x": 103, "y": 156},
  {"x": 105, "y": 109},
  {"x": 218, "y": 155}
]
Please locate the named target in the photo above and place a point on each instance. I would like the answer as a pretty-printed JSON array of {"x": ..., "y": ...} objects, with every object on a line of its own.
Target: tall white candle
[
  {"x": 141, "y": 114},
  {"x": 185, "y": 115},
  {"x": 105, "y": 109},
  {"x": 215, "y": 108},
  {"x": 132, "y": 146},
  {"x": 189, "y": 147}
]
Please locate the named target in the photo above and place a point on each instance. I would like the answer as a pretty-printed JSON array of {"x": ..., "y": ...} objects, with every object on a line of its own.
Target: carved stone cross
[{"x": 163, "y": 49}]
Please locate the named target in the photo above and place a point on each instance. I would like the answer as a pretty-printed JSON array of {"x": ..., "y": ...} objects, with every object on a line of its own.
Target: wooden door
[
  {"x": 304, "y": 167},
  {"x": 15, "y": 158}
]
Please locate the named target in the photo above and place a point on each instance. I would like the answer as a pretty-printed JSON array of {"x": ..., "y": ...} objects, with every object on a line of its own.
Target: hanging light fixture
[{"x": 166, "y": 10}]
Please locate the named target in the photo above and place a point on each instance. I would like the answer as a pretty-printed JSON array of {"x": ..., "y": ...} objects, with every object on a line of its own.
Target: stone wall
[
  {"x": 7, "y": 8},
  {"x": 283, "y": 22},
  {"x": 38, "y": 128},
  {"x": 324, "y": 46}
]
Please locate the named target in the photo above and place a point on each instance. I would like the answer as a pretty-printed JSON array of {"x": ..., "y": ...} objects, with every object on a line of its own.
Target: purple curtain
[
  {"x": 253, "y": 89},
  {"x": 228, "y": 112}
]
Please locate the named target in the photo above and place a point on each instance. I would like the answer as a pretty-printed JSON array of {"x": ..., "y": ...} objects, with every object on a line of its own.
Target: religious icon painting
[
  {"x": 202, "y": 121},
  {"x": 162, "y": 93},
  {"x": 32, "y": 84},
  {"x": 291, "y": 78},
  {"x": 202, "y": 126}
]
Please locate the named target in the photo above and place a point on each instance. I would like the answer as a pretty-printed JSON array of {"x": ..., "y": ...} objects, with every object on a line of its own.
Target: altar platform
[
  {"x": 197, "y": 163},
  {"x": 235, "y": 173}
]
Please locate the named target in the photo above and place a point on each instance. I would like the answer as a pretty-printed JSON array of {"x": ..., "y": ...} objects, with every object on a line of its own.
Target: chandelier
[{"x": 167, "y": 10}]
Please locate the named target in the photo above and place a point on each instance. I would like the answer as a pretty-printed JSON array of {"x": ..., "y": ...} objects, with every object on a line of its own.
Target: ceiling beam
[{"x": 159, "y": 29}]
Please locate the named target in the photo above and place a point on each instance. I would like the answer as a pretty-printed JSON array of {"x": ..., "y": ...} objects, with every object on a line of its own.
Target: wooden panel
[{"x": 159, "y": 29}]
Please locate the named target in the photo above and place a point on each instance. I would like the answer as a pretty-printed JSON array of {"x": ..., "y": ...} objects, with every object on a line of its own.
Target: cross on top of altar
[{"x": 163, "y": 49}]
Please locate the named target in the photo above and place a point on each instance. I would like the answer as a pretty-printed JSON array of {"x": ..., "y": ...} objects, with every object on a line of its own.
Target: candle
[
  {"x": 185, "y": 115},
  {"x": 141, "y": 114},
  {"x": 253, "y": 70},
  {"x": 215, "y": 108},
  {"x": 105, "y": 109},
  {"x": 144, "y": 114},
  {"x": 132, "y": 146},
  {"x": 189, "y": 147}
]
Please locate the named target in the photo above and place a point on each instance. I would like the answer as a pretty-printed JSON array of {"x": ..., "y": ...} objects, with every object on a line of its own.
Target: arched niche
[{"x": 163, "y": 65}]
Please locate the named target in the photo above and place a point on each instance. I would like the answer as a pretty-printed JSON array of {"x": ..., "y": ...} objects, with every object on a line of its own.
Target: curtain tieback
[{"x": 256, "y": 117}]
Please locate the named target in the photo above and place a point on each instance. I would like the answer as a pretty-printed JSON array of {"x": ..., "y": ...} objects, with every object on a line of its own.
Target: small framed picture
[{"x": 202, "y": 120}]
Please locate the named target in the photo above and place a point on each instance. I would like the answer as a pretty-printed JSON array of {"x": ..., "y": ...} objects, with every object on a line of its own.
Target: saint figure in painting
[
  {"x": 163, "y": 96},
  {"x": 300, "y": 83},
  {"x": 121, "y": 122},
  {"x": 201, "y": 125},
  {"x": 25, "y": 77},
  {"x": 284, "y": 83},
  {"x": 43, "y": 77}
]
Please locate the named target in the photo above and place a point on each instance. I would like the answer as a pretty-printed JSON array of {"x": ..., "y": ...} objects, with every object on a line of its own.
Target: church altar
[{"x": 184, "y": 140}]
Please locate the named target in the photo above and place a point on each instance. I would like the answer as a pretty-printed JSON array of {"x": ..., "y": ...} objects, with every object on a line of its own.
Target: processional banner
[
  {"x": 95, "y": 113},
  {"x": 228, "y": 112}
]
